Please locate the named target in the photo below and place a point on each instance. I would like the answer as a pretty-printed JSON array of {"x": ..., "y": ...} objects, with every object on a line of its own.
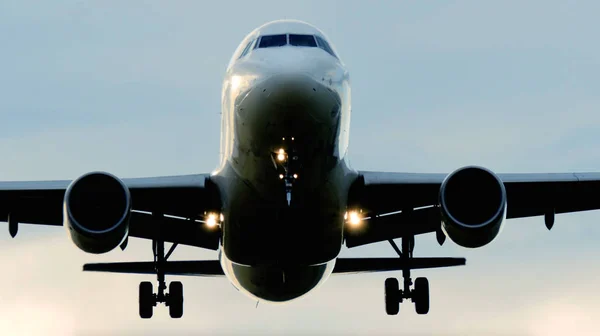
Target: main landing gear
[
  {"x": 394, "y": 295},
  {"x": 173, "y": 299}
]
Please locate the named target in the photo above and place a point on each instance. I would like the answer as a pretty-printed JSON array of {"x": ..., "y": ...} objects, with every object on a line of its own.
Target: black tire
[
  {"x": 176, "y": 299},
  {"x": 392, "y": 296},
  {"x": 146, "y": 300},
  {"x": 421, "y": 297}
]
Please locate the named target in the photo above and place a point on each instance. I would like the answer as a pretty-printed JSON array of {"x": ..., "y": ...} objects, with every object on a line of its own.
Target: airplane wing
[
  {"x": 181, "y": 198},
  {"x": 381, "y": 193}
]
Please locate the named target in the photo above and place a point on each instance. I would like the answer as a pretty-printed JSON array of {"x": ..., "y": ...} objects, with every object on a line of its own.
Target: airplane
[{"x": 284, "y": 199}]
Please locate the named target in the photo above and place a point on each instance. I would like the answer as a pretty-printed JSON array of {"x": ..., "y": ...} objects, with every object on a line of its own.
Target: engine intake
[
  {"x": 473, "y": 204},
  {"x": 96, "y": 212}
]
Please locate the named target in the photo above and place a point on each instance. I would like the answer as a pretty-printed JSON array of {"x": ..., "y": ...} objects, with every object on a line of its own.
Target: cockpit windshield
[
  {"x": 292, "y": 36},
  {"x": 302, "y": 40},
  {"x": 268, "y": 41},
  {"x": 297, "y": 40}
]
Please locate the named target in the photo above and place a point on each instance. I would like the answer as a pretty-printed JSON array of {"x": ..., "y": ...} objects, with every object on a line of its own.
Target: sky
[{"x": 133, "y": 88}]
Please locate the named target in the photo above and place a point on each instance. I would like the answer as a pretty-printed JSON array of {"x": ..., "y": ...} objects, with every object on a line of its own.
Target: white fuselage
[{"x": 283, "y": 215}]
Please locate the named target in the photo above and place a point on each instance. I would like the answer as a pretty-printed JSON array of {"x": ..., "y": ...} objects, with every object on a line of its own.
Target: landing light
[
  {"x": 211, "y": 220},
  {"x": 281, "y": 155},
  {"x": 353, "y": 218}
]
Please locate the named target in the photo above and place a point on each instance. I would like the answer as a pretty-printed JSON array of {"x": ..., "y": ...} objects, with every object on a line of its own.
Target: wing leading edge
[
  {"x": 381, "y": 193},
  {"x": 182, "y": 198}
]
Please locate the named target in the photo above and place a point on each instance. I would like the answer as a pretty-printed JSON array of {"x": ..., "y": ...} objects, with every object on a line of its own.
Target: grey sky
[{"x": 134, "y": 88}]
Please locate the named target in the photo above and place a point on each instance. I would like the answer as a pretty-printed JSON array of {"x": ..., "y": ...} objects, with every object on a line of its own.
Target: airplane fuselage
[{"x": 283, "y": 177}]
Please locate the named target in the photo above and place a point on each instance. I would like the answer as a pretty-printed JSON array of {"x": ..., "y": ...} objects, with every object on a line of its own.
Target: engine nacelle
[
  {"x": 473, "y": 205},
  {"x": 96, "y": 212}
]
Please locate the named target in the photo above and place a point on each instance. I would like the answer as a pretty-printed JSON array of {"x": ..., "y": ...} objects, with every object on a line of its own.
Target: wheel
[
  {"x": 421, "y": 296},
  {"x": 392, "y": 296},
  {"x": 176, "y": 299},
  {"x": 146, "y": 300}
]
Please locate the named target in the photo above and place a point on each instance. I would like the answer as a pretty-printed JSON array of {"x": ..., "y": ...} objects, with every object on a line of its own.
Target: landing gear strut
[
  {"x": 173, "y": 299},
  {"x": 394, "y": 295}
]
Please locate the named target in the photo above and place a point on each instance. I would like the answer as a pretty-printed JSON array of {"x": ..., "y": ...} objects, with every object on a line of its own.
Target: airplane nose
[
  {"x": 287, "y": 104},
  {"x": 294, "y": 95},
  {"x": 290, "y": 89}
]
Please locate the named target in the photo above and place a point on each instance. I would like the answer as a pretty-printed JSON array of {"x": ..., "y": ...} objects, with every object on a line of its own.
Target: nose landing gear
[{"x": 394, "y": 295}]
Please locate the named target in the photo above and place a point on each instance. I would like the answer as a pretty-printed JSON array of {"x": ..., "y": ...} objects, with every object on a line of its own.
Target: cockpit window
[
  {"x": 297, "y": 40},
  {"x": 268, "y": 41},
  {"x": 324, "y": 45},
  {"x": 302, "y": 40},
  {"x": 248, "y": 47}
]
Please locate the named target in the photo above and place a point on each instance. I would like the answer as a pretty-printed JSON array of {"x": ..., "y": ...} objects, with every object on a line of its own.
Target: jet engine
[
  {"x": 473, "y": 205},
  {"x": 96, "y": 212}
]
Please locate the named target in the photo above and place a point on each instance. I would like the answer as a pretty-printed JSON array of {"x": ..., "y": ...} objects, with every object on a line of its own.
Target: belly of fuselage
[
  {"x": 263, "y": 226},
  {"x": 276, "y": 284}
]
